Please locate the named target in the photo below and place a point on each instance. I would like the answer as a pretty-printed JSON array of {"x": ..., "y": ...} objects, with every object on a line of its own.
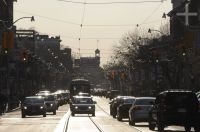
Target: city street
[{"x": 80, "y": 122}]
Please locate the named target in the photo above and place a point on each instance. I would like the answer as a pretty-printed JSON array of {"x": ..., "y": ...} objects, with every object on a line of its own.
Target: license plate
[{"x": 181, "y": 110}]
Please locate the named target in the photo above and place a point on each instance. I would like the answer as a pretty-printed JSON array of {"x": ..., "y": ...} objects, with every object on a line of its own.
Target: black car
[
  {"x": 175, "y": 107},
  {"x": 122, "y": 110},
  {"x": 51, "y": 104},
  {"x": 33, "y": 105},
  {"x": 82, "y": 105},
  {"x": 115, "y": 103}
]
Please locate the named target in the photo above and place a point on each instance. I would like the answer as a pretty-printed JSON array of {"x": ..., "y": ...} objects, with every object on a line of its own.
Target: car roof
[
  {"x": 145, "y": 98},
  {"x": 82, "y": 97},
  {"x": 39, "y": 97}
]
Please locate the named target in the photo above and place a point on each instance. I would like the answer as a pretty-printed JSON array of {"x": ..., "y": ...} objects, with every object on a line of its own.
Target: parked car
[
  {"x": 175, "y": 107},
  {"x": 122, "y": 110},
  {"x": 82, "y": 105},
  {"x": 33, "y": 105},
  {"x": 115, "y": 103},
  {"x": 139, "y": 111},
  {"x": 51, "y": 103}
]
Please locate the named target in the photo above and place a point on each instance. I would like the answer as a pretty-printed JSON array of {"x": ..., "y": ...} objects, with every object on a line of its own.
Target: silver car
[{"x": 139, "y": 111}]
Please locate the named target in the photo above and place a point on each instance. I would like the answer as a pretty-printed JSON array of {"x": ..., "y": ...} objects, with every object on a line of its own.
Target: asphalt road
[{"x": 64, "y": 122}]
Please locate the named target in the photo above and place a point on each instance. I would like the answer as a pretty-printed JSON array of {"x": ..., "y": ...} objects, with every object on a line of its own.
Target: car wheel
[
  {"x": 152, "y": 126},
  {"x": 160, "y": 127},
  {"x": 187, "y": 128},
  {"x": 131, "y": 122},
  {"x": 93, "y": 114},
  {"x": 23, "y": 115},
  {"x": 119, "y": 117},
  {"x": 114, "y": 115},
  {"x": 44, "y": 115},
  {"x": 197, "y": 128},
  {"x": 54, "y": 112}
]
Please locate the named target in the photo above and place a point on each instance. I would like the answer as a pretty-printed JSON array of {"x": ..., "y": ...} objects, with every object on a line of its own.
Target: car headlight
[
  {"x": 76, "y": 107},
  {"x": 51, "y": 105},
  {"x": 89, "y": 107},
  {"x": 41, "y": 107},
  {"x": 25, "y": 107}
]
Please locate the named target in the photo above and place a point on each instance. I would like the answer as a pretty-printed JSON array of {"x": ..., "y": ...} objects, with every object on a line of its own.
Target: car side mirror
[{"x": 94, "y": 102}]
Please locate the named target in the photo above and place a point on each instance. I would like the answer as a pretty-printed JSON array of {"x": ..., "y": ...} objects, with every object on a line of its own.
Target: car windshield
[
  {"x": 83, "y": 101},
  {"x": 144, "y": 101},
  {"x": 180, "y": 98},
  {"x": 129, "y": 101},
  {"x": 49, "y": 98},
  {"x": 33, "y": 100}
]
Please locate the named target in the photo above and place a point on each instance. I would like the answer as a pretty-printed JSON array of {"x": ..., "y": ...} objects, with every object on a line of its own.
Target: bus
[{"x": 79, "y": 86}]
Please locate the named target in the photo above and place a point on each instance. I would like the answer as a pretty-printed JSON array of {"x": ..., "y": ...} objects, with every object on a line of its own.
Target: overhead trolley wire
[{"x": 49, "y": 18}]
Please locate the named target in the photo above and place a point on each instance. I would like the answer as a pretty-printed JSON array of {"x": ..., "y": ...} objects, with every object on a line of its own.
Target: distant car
[
  {"x": 113, "y": 93},
  {"x": 51, "y": 104},
  {"x": 139, "y": 111},
  {"x": 122, "y": 110},
  {"x": 115, "y": 103},
  {"x": 33, "y": 105},
  {"x": 175, "y": 107},
  {"x": 43, "y": 92},
  {"x": 82, "y": 105}
]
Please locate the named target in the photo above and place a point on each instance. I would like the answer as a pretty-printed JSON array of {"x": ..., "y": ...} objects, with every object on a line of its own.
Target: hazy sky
[{"x": 103, "y": 23}]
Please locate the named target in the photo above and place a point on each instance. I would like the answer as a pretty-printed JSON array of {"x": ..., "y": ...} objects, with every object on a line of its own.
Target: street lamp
[
  {"x": 150, "y": 30},
  {"x": 32, "y": 19}
]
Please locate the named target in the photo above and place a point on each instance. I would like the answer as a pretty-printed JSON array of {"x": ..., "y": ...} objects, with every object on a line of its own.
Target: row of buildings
[{"x": 30, "y": 61}]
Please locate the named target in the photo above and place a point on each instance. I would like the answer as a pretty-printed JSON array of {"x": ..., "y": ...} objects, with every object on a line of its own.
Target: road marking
[{"x": 61, "y": 126}]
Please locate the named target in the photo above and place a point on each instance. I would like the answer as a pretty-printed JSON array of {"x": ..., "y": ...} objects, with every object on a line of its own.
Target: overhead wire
[
  {"x": 113, "y": 2},
  {"x": 81, "y": 26},
  {"x": 151, "y": 13}
]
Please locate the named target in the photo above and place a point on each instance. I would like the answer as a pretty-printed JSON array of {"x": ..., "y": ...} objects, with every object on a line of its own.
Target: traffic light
[
  {"x": 24, "y": 55},
  {"x": 113, "y": 75},
  {"x": 156, "y": 56},
  {"x": 122, "y": 75}
]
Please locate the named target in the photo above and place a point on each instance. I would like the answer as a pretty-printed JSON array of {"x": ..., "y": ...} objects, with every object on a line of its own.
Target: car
[
  {"x": 139, "y": 111},
  {"x": 113, "y": 93},
  {"x": 82, "y": 105},
  {"x": 33, "y": 105},
  {"x": 51, "y": 103},
  {"x": 122, "y": 110},
  {"x": 175, "y": 107},
  {"x": 115, "y": 103},
  {"x": 83, "y": 94}
]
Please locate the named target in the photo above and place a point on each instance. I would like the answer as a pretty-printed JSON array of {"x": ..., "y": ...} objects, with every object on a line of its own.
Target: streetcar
[{"x": 78, "y": 86}]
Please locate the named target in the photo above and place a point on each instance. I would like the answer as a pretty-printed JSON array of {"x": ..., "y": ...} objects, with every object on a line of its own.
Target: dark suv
[{"x": 175, "y": 107}]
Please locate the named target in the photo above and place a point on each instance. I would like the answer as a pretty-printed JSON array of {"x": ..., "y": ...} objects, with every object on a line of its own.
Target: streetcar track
[{"x": 95, "y": 124}]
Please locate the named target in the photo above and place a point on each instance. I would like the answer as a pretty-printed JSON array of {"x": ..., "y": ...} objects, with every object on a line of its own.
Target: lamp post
[{"x": 150, "y": 30}]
